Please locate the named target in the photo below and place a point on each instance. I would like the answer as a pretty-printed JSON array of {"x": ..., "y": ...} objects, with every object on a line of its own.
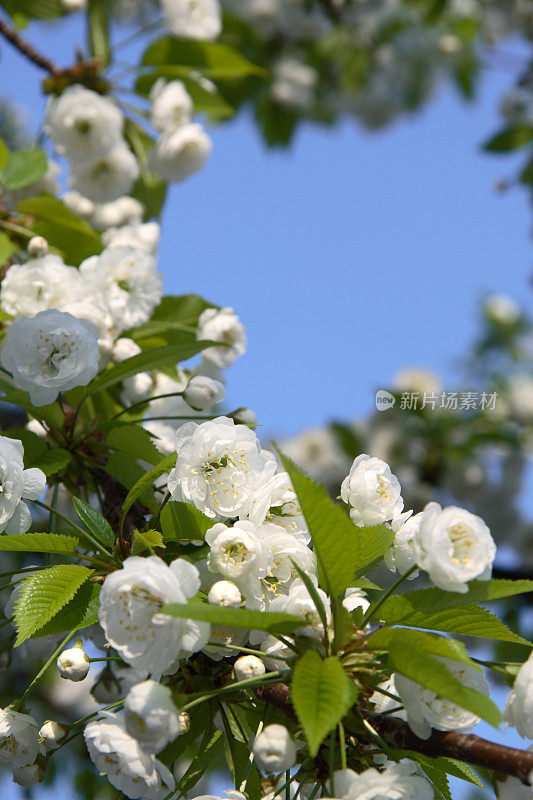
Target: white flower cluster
[
  {"x": 452, "y": 545},
  {"x": 183, "y": 147},
  {"x": 87, "y": 129},
  {"x": 193, "y": 19}
]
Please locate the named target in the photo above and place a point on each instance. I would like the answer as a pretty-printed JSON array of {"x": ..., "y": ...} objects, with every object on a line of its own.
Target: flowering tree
[{"x": 222, "y": 604}]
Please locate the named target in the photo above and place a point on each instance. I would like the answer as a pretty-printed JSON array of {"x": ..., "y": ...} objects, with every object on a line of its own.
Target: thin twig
[{"x": 27, "y": 49}]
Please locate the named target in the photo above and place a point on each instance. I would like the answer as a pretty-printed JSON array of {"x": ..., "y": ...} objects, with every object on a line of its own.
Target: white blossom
[
  {"x": 115, "y": 681},
  {"x": 73, "y": 664},
  {"x": 118, "y": 213},
  {"x": 383, "y": 703},
  {"x": 50, "y": 353},
  {"x": 355, "y": 598},
  {"x": 51, "y": 734},
  {"x": 274, "y": 750},
  {"x": 518, "y": 712},
  {"x": 513, "y": 789},
  {"x": 127, "y": 282},
  {"x": 225, "y": 593},
  {"x": 222, "y": 325},
  {"x": 83, "y": 124},
  {"x": 426, "y": 710},
  {"x": 40, "y": 284},
  {"x": 130, "y": 601},
  {"x": 417, "y": 380},
  {"x": 16, "y": 484},
  {"x": 248, "y": 667},
  {"x": 203, "y": 392},
  {"x": 127, "y": 766},
  {"x": 37, "y": 247},
  {"x": 237, "y": 552},
  {"x": 287, "y": 548},
  {"x": 139, "y": 235},
  {"x": 219, "y": 466},
  {"x": 453, "y": 546},
  {"x": 275, "y": 650},
  {"x": 172, "y": 105},
  {"x": 193, "y": 19},
  {"x": 299, "y": 602},
  {"x": 30, "y": 775},
  {"x": 150, "y": 716},
  {"x": 275, "y": 502},
  {"x": 78, "y": 204},
  {"x": 294, "y": 84},
  {"x": 401, "y": 556},
  {"x": 501, "y": 309},
  {"x": 181, "y": 153},
  {"x": 106, "y": 178},
  {"x": 19, "y": 739},
  {"x": 372, "y": 491},
  {"x": 396, "y": 782}
]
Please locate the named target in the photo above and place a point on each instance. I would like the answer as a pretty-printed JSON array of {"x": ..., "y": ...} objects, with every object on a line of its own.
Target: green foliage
[
  {"x": 22, "y": 169},
  {"x": 127, "y": 472},
  {"x": 321, "y": 694},
  {"x": 51, "y": 414},
  {"x": 174, "y": 320},
  {"x": 450, "y": 766},
  {"x": 183, "y": 521},
  {"x": 341, "y": 547},
  {"x": 134, "y": 441},
  {"x": 38, "y": 543},
  {"x": 95, "y": 523},
  {"x": 147, "y": 480},
  {"x": 79, "y": 613},
  {"x": 23, "y": 10},
  {"x": 149, "y": 359},
  {"x": 52, "y": 461},
  {"x": 99, "y": 30},
  {"x": 62, "y": 229},
  {"x": 7, "y": 248},
  {"x": 411, "y": 653},
  {"x": 146, "y": 541},
  {"x": 210, "y": 747},
  {"x": 510, "y": 139},
  {"x": 175, "y": 58},
  {"x": 44, "y": 594},
  {"x": 273, "y": 622}
]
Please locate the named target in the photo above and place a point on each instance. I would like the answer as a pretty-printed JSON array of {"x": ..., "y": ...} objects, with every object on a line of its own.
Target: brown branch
[
  {"x": 27, "y": 49},
  {"x": 397, "y": 733}
]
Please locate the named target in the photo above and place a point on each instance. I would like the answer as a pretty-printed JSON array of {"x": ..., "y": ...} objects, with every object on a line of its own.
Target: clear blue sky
[{"x": 347, "y": 257}]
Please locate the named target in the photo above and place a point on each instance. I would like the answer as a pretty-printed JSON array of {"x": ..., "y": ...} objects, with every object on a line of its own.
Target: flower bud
[
  {"x": 248, "y": 667},
  {"x": 244, "y": 416},
  {"x": 151, "y": 717},
  {"x": 224, "y": 593},
  {"x": 37, "y": 246},
  {"x": 274, "y": 750},
  {"x": 203, "y": 392},
  {"x": 73, "y": 664},
  {"x": 52, "y": 733},
  {"x": 28, "y": 776}
]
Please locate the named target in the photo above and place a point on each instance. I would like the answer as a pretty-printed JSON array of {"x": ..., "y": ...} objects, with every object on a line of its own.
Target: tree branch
[
  {"x": 27, "y": 49},
  {"x": 397, "y": 733}
]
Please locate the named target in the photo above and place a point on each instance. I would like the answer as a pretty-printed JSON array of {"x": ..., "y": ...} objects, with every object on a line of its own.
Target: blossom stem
[
  {"x": 331, "y": 762},
  {"x": 50, "y": 661},
  {"x": 146, "y": 402},
  {"x": 387, "y": 593},
  {"x": 27, "y": 49},
  {"x": 247, "y": 650},
  {"x": 107, "y": 658},
  {"x": 342, "y": 745},
  {"x": 12, "y": 226},
  {"x": 242, "y": 787},
  {"x": 230, "y": 688}
]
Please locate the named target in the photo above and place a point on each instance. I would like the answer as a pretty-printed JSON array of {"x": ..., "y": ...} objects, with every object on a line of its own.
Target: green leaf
[
  {"x": 34, "y": 9},
  {"x": 183, "y": 521},
  {"x": 99, "y": 31},
  {"x": 4, "y": 154},
  {"x": 448, "y": 765},
  {"x": 95, "y": 523},
  {"x": 7, "y": 248},
  {"x": 430, "y": 601},
  {"x": 52, "y": 461},
  {"x": 471, "y": 621},
  {"x": 322, "y": 694},
  {"x": 38, "y": 543},
  {"x": 62, "y": 229},
  {"x": 34, "y": 446},
  {"x": 44, "y": 594},
  {"x": 510, "y": 139},
  {"x": 411, "y": 653},
  {"x": 133, "y": 441},
  {"x": 80, "y": 612},
  {"x": 147, "y": 360},
  {"x": 147, "y": 541},
  {"x": 340, "y": 546},
  {"x": 128, "y": 473},
  {"x": 22, "y": 169},
  {"x": 206, "y": 754},
  {"x": 165, "y": 465},
  {"x": 270, "y": 621},
  {"x": 175, "y": 319},
  {"x": 151, "y": 191},
  {"x": 211, "y": 59}
]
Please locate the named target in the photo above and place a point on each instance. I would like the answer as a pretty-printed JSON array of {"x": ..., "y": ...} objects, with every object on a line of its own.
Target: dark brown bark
[{"x": 395, "y": 732}]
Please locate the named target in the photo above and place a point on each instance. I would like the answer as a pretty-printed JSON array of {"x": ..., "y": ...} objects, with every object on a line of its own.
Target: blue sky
[{"x": 348, "y": 256}]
